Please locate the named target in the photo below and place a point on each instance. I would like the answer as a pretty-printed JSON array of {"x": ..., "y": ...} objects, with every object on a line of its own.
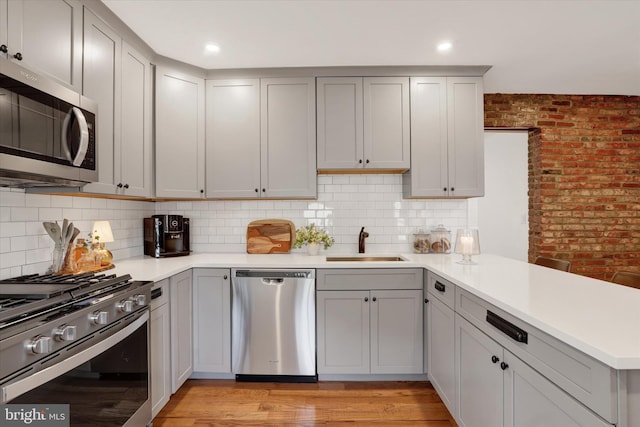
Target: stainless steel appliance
[
  {"x": 166, "y": 236},
  {"x": 47, "y": 131},
  {"x": 274, "y": 325},
  {"x": 78, "y": 340}
]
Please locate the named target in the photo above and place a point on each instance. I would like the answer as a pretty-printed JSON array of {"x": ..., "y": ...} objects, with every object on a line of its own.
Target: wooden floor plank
[{"x": 201, "y": 403}]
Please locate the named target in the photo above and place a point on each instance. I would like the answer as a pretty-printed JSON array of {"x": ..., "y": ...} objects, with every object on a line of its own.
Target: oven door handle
[{"x": 11, "y": 391}]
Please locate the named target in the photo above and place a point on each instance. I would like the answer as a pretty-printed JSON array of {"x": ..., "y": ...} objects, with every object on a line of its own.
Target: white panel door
[
  {"x": 288, "y": 137},
  {"x": 386, "y": 123},
  {"x": 343, "y": 332},
  {"x": 160, "y": 348},
  {"x": 441, "y": 351},
  {"x": 134, "y": 154},
  {"x": 480, "y": 391},
  {"x": 48, "y": 36},
  {"x": 340, "y": 127},
  {"x": 396, "y": 332},
  {"x": 181, "y": 328},
  {"x": 465, "y": 103},
  {"x": 531, "y": 400},
  {"x": 233, "y": 138},
  {"x": 429, "y": 174},
  {"x": 503, "y": 211},
  {"x": 101, "y": 82},
  {"x": 211, "y": 320},
  {"x": 180, "y": 142}
]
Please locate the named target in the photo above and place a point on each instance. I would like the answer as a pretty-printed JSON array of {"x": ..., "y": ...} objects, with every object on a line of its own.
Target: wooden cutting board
[{"x": 270, "y": 236}]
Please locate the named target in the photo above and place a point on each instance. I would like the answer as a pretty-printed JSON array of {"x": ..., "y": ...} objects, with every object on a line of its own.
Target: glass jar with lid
[
  {"x": 421, "y": 244},
  {"x": 441, "y": 240}
]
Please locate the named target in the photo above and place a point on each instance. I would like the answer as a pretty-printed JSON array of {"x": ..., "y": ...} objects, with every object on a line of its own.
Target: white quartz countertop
[{"x": 596, "y": 317}]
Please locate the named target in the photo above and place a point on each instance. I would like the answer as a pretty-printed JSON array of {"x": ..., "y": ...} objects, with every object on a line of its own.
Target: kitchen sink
[{"x": 365, "y": 258}]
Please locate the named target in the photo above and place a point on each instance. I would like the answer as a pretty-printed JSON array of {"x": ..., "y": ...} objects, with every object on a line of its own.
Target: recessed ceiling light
[
  {"x": 444, "y": 46},
  {"x": 212, "y": 48}
]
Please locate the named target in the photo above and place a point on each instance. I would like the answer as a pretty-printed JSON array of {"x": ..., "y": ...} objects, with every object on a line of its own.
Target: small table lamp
[
  {"x": 102, "y": 234},
  {"x": 467, "y": 244}
]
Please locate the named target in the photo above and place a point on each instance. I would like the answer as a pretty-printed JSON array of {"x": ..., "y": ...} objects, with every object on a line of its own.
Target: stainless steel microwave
[{"x": 47, "y": 131}]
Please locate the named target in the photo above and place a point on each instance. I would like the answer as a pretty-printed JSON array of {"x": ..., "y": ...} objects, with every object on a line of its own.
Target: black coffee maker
[{"x": 166, "y": 236}]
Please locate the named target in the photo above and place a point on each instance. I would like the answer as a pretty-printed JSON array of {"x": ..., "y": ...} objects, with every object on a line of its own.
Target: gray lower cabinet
[
  {"x": 211, "y": 320},
  {"x": 441, "y": 350},
  {"x": 181, "y": 328},
  {"x": 495, "y": 388},
  {"x": 160, "y": 348},
  {"x": 369, "y": 323}
]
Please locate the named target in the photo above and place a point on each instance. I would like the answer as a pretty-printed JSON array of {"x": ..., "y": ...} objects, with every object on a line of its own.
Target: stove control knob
[
  {"x": 99, "y": 317},
  {"x": 125, "y": 306},
  {"x": 139, "y": 300},
  {"x": 65, "y": 333},
  {"x": 40, "y": 345}
]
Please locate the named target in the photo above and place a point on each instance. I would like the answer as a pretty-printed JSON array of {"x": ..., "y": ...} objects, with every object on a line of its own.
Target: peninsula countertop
[{"x": 596, "y": 317}]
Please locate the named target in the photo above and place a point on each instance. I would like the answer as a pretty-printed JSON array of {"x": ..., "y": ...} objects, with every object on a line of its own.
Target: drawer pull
[
  {"x": 507, "y": 327},
  {"x": 156, "y": 293},
  {"x": 439, "y": 286}
]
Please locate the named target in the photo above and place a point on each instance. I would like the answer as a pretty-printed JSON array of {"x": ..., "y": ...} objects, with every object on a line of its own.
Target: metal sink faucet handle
[{"x": 363, "y": 235}]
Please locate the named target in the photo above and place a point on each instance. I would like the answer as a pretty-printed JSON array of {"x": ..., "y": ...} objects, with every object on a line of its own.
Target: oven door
[{"x": 104, "y": 380}]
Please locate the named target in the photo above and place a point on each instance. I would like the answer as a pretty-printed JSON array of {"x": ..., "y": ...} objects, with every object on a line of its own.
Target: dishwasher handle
[
  {"x": 271, "y": 281},
  {"x": 276, "y": 274}
]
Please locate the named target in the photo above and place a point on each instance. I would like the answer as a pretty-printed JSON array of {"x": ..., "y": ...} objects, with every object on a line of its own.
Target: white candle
[{"x": 467, "y": 245}]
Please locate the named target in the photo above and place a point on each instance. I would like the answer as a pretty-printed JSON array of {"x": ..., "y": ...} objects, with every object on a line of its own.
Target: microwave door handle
[{"x": 84, "y": 136}]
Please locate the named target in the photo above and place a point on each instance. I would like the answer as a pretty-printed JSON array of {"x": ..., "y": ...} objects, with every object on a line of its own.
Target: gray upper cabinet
[
  {"x": 233, "y": 138},
  {"x": 180, "y": 142},
  {"x": 101, "y": 83},
  {"x": 288, "y": 138},
  {"x": 134, "y": 170},
  {"x": 261, "y": 138},
  {"x": 44, "y": 36},
  {"x": 363, "y": 123},
  {"x": 447, "y": 149}
]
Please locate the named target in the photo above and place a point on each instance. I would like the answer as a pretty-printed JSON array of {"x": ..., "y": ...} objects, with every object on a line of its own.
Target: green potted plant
[{"x": 312, "y": 237}]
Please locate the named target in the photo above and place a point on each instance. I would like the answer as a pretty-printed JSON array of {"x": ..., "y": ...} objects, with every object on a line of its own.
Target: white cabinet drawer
[
  {"x": 366, "y": 279},
  {"x": 442, "y": 289},
  {"x": 586, "y": 379}
]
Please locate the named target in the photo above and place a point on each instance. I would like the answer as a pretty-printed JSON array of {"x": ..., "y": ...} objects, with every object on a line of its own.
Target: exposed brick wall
[{"x": 584, "y": 176}]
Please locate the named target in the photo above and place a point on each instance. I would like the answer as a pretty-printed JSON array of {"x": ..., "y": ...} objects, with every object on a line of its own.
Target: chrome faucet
[{"x": 363, "y": 235}]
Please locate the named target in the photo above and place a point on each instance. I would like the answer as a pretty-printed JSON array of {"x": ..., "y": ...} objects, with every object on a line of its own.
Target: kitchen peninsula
[{"x": 583, "y": 345}]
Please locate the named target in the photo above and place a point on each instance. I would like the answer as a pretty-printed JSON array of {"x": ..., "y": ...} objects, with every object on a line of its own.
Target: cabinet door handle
[
  {"x": 225, "y": 277},
  {"x": 375, "y": 299},
  {"x": 201, "y": 191},
  {"x": 264, "y": 190},
  {"x": 367, "y": 161},
  {"x": 507, "y": 327},
  {"x": 440, "y": 287},
  {"x": 127, "y": 186},
  {"x": 453, "y": 189},
  {"x": 3, "y": 48},
  {"x": 444, "y": 189},
  {"x": 504, "y": 366},
  {"x": 119, "y": 185},
  {"x": 360, "y": 161},
  {"x": 426, "y": 301},
  {"x": 495, "y": 359},
  {"x": 366, "y": 299},
  {"x": 18, "y": 56}
]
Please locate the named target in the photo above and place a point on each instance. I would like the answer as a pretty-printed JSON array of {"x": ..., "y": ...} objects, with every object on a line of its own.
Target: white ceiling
[{"x": 533, "y": 46}]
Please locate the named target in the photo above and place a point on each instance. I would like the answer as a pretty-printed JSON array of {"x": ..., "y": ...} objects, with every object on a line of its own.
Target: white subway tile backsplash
[{"x": 345, "y": 203}]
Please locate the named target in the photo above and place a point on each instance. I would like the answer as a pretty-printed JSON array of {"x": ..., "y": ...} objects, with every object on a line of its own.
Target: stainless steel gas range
[{"x": 78, "y": 340}]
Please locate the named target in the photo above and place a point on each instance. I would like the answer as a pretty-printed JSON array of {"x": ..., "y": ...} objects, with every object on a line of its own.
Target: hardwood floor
[{"x": 331, "y": 404}]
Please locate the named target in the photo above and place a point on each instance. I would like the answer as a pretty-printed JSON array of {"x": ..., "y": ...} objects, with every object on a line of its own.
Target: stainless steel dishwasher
[{"x": 273, "y": 325}]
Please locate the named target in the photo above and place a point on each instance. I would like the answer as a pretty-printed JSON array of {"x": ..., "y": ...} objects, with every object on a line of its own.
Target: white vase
[{"x": 313, "y": 248}]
